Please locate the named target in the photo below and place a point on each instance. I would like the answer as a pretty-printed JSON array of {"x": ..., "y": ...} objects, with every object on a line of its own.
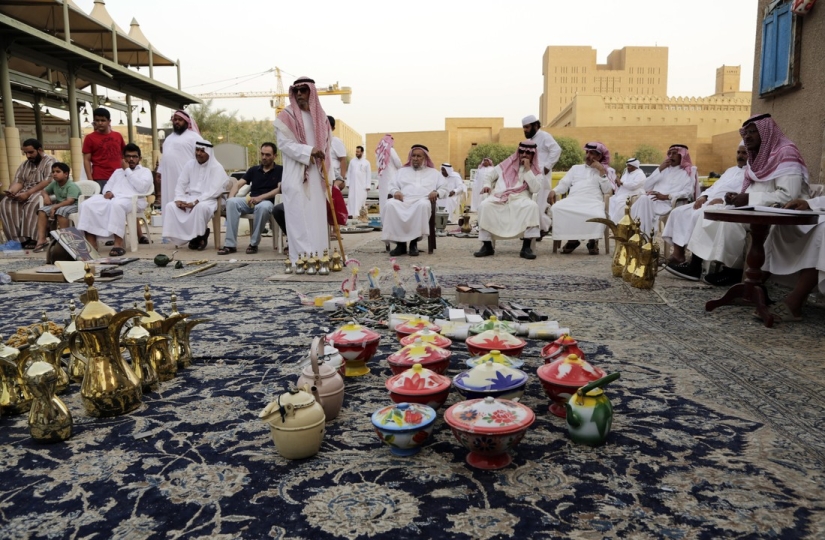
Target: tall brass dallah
[
  {"x": 622, "y": 232},
  {"x": 76, "y": 366},
  {"x": 136, "y": 340},
  {"x": 181, "y": 334},
  {"x": 14, "y": 393},
  {"x": 647, "y": 266},
  {"x": 48, "y": 348},
  {"x": 49, "y": 418},
  {"x": 110, "y": 387},
  {"x": 158, "y": 326}
]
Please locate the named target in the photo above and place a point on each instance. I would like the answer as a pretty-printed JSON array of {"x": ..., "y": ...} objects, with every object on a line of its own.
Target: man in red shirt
[{"x": 102, "y": 149}]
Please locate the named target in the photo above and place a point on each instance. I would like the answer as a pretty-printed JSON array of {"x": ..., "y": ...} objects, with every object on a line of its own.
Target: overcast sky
[{"x": 411, "y": 64}]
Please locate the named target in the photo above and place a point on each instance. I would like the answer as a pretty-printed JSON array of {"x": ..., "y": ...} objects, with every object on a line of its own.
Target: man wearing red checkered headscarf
[{"x": 304, "y": 137}]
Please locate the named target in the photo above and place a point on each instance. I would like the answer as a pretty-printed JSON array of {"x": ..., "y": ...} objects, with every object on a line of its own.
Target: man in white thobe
[
  {"x": 416, "y": 185},
  {"x": 388, "y": 163},
  {"x": 178, "y": 149},
  {"x": 549, "y": 152},
  {"x": 305, "y": 138},
  {"x": 796, "y": 255},
  {"x": 629, "y": 185},
  {"x": 775, "y": 175},
  {"x": 105, "y": 214},
  {"x": 674, "y": 179},
  {"x": 338, "y": 154},
  {"x": 201, "y": 182},
  {"x": 484, "y": 168},
  {"x": 587, "y": 185},
  {"x": 359, "y": 175},
  {"x": 455, "y": 187},
  {"x": 510, "y": 210},
  {"x": 683, "y": 218}
]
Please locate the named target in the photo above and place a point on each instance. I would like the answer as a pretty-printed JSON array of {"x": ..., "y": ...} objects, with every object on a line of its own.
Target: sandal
[
  {"x": 782, "y": 313},
  {"x": 109, "y": 243},
  {"x": 592, "y": 248},
  {"x": 29, "y": 244},
  {"x": 117, "y": 252},
  {"x": 570, "y": 246},
  {"x": 252, "y": 250},
  {"x": 226, "y": 250},
  {"x": 40, "y": 247},
  {"x": 144, "y": 240}
]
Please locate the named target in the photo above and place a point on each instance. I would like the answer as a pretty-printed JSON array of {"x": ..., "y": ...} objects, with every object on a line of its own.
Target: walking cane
[{"x": 332, "y": 209}]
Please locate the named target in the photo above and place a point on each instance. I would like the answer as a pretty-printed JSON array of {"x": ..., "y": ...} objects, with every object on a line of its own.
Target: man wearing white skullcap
[
  {"x": 629, "y": 185},
  {"x": 549, "y": 152}
]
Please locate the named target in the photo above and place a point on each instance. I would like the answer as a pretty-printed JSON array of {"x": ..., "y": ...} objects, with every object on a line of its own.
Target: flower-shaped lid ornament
[
  {"x": 570, "y": 371},
  {"x": 489, "y": 415},
  {"x": 428, "y": 336},
  {"x": 418, "y": 380},
  {"x": 490, "y": 376}
]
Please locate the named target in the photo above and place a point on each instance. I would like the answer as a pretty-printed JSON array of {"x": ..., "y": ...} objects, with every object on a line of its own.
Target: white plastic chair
[
  {"x": 87, "y": 189},
  {"x": 131, "y": 221},
  {"x": 277, "y": 233}
]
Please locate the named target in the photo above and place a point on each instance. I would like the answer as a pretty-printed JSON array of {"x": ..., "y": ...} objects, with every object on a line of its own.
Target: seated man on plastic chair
[
  {"x": 511, "y": 211},
  {"x": 105, "y": 214},
  {"x": 587, "y": 184},
  {"x": 265, "y": 184}
]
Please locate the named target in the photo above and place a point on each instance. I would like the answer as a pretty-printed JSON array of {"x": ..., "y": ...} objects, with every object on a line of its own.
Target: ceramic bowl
[
  {"x": 429, "y": 356},
  {"x": 428, "y": 336},
  {"x": 497, "y": 357},
  {"x": 357, "y": 344},
  {"x": 492, "y": 323},
  {"x": 404, "y": 427},
  {"x": 491, "y": 380},
  {"x": 495, "y": 340},
  {"x": 414, "y": 325},
  {"x": 488, "y": 428},
  {"x": 561, "y": 378},
  {"x": 561, "y": 348},
  {"x": 419, "y": 385}
]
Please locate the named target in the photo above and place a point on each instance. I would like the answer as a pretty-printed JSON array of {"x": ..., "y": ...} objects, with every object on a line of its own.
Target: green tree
[
  {"x": 647, "y": 153},
  {"x": 572, "y": 153},
  {"x": 618, "y": 162},
  {"x": 496, "y": 152}
]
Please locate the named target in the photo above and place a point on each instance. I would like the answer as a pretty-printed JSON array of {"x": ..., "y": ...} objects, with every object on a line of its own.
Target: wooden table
[{"x": 749, "y": 292}]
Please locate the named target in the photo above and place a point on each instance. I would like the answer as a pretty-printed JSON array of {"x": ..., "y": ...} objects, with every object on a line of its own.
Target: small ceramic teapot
[
  {"x": 326, "y": 379},
  {"x": 589, "y": 413},
  {"x": 296, "y": 421}
]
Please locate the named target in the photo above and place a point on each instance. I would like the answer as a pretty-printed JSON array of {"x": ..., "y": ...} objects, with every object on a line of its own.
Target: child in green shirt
[{"x": 64, "y": 194}]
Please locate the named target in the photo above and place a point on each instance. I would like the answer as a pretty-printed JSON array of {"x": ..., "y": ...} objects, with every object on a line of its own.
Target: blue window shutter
[{"x": 777, "y": 47}]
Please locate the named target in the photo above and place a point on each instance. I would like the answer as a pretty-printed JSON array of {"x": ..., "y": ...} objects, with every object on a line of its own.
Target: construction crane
[{"x": 278, "y": 98}]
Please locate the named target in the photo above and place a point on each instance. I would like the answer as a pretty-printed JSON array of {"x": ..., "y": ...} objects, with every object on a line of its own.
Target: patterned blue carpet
[{"x": 692, "y": 454}]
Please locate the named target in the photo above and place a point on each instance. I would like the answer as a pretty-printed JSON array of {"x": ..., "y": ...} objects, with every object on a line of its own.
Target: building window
[{"x": 779, "y": 68}]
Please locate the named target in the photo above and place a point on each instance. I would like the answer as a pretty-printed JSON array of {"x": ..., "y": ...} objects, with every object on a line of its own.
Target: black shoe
[
  {"x": 686, "y": 270},
  {"x": 400, "y": 249},
  {"x": 570, "y": 246},
  {"x": 414, "y": 248},
  {"x": 542, "y": 234},
  {"x": 387, "y": 246},
  {"x": 725, "y": 277},
  {"x": 486, "y": 250},
  {"x": 526, "y": 251},
  {"x": 593, "y": 247}
]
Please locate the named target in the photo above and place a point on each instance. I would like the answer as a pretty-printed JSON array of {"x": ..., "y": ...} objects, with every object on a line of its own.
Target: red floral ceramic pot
[
  {"x": 414, "y": 325},
  {"x": 404, "y": 427},
  {"x": 491, "y": 379},
  {"x": 428, "y": 336},
  {"x": 357, "y": 344},
  {"x": 561, "y": 379},
  {"x": 488, "y": 428},
  {"x": 419, "y": 385},
  {"x": 426, "y": 354},
  {"x": 495, "y": 340},
  {"x": 560, "y": 348}
]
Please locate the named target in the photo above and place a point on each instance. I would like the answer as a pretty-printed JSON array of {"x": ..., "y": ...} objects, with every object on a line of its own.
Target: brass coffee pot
[
  {"x": 162, "y": 352},
  {"x": 300, "y": 267},
  {"x": 110, "y": 387},
  {"x": 76, "y": 366},
  {"x": 48, "y": 348},
  {"x": 323, "y": 270},
  {"x": 136, "y": 340},
  {"x": 622, "y": 231},
  {"x": 466, "y": 228},
  {"x": 337, "y": 263},
  {"x": 633, "y": 247},
  {"x": 647, "y": 266},
  {"x": 287, "y": 266},
  {"x": 14, "y": 393},
  {"x": 49, "y": 418},
  {"x": 311, "y": 265},
  {"x": 181, "y": 332}
]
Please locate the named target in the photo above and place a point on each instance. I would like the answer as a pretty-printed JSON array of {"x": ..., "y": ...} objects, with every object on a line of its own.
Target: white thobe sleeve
[
  {"x": 788, "y": 187},
  {"x": 394, "y": 187},
  {"x": 530, "y": 179},
  {"x": 442, "y": 187},
  {"x": 395, "y": 159},
  {"x": 112, "y": 182},
  {"x": 817, "y": 203},
  {"x": 292, "y": 148},
  {"x": 140, "y": 179},
  {"x": 349, "y": 176},
  {"x": 634, "y": 180},
  {"x": 564, "y": 184},
  {"x": 554, "y": 150},
  {"x": 490, "y": 176},
  {"x": 215, "y": 186},
  {"x": 652, "y": 180},
  {"x": 607, "y": 183},
  {"x": 686, "y": 188},
  {"x": 182, "y": 187}
]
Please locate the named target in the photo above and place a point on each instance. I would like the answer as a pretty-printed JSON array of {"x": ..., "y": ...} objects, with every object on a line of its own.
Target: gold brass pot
[
  {"x": 76, "y": 366},
  {"x": 162, "y": 351},
  {"x": 14, "y": 394},
  {"x": 49, "y": 418},
  {"x": 181, "y": 335},
  {"x": 136, "y": 340},
  {"x": 48, "y": 348}
]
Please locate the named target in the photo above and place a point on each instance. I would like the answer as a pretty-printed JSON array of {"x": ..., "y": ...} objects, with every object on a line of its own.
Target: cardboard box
[
  {"x": 477, "y": 298},
  {"x": 157, "y": 220}
]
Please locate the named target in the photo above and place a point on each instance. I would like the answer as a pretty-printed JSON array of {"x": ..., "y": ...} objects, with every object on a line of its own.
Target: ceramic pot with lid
[
  {"x": 296, "y": 421},
  {"x": 404, "y": 427},
  {"x": 419, "y": 385},
  {"x": 334, "y": 359},
  {"x": 495, "y": 340},
  {"x": 357, "y": 344},
  {"x": 326, "y": 379},
  {"x": 414, "y": 325},
  {"x": 561, "y": 378},
  {"x": 491, "y": 379},
  {"x": 426, "y": 354},
  {"x": 493, "y": 322},
  {"x": 497, "y": 357},
  {"x": 488, "y": 428},
  {"x": 428, "y": 336},
  {"x": 561, "y": 348}
]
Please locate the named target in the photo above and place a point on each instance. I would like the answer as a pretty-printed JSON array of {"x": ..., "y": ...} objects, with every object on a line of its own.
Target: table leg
[{"x": 750, "y": 291}]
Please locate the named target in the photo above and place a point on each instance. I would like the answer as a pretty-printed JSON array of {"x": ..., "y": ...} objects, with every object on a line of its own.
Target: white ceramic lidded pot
[
  {"x": 296, "y": 421},
  {"x": 326, "y": 379}
]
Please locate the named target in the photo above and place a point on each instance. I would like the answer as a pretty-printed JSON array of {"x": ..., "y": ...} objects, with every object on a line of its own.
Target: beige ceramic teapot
[
  {"x": 296, "y": 421},
  {"x": 326, "y": 379}
]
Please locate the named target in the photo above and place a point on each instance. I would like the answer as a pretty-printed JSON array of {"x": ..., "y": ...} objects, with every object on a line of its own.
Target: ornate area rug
[{"x": 717, "y": 432}]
